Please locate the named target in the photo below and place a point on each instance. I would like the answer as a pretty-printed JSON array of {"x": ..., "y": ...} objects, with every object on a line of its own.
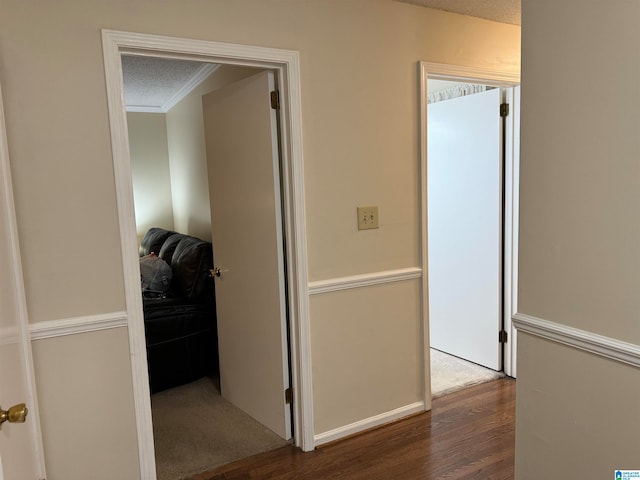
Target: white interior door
[
  {"x": 244, "y": 182},
  {"x": 464, "y": 159},
  {"x": 20, "y": 443}
]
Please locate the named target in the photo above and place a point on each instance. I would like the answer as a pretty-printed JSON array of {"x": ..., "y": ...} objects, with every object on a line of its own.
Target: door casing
[
  {"x": 511, "y": 175},
  {"x": 285, "y": 63}
]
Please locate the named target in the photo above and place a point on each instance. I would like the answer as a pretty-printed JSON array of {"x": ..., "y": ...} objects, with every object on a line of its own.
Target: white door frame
[
  {"x": 285, "y": 63},
  {"x": 511, "y": 175}
]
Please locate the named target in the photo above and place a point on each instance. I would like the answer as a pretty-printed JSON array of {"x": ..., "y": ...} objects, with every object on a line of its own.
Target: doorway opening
[
  {"x": 470, "y": 187},
  {"x": 281, "y": 67},
  {"x": 198, "y": 341}
]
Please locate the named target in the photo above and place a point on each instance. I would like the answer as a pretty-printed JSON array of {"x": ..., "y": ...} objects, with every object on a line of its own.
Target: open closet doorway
[
  {"x": 220, "y": 360},
  {"x": 281, "y": 329},
  {"x": 470, "y": 144}
]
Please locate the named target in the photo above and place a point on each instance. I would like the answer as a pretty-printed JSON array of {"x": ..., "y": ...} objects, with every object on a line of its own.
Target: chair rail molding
[
  {"x": 364, "y": 280},
  {"x": 601, "y": 345},
  {"x": 76, "y": 325}
]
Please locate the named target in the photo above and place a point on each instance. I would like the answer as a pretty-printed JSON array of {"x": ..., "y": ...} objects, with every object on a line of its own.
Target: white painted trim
[
  {"x": 289, "y": 82},
  {"x": 424, "y": 251},
  {"x": 143, "y": 109},
  {"x": 368, "y": 423},
  {"x": 9, "y": 223},
  {"x": 286, "y": 64},
  {"x": 364, "y": 280},
  {"x": 512, "y": 209},
  {"x": 130, "y": 259},
  {"x": 76, "y": 325},
  {"x": 601, "y": 345},
  {"x": 470, "y": 74}
]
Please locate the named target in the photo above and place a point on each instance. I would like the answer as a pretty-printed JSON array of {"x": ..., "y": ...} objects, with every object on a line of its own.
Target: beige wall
[
  {"x": 86, "y": 406},
  {"x": 382, "y": 325},
  {"x": 580, "y": 173},
  {"x": 187, "y": 155},
  {"x": 579, "y": 235},
  {"x": 359, "y": 78},
  {"x": 150, "y": 171},
  {"x": 577, "y": 414}
]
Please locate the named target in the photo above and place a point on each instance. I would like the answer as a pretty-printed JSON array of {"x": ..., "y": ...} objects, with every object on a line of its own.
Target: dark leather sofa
[{"x": 181, "y": 333}]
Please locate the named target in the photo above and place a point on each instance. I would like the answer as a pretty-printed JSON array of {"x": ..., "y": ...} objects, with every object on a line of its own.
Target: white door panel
[
  {"x": 465, "y": 226},
  {"x": 20, "y": 443},
  {"x": 243, "y": 162}
]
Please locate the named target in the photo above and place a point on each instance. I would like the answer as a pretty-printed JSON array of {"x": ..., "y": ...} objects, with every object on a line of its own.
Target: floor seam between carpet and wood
[{"x": 450, "y": 374}]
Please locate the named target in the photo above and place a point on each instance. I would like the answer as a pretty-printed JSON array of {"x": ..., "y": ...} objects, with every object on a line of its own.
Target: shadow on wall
[{"x": 199, "y": 228}]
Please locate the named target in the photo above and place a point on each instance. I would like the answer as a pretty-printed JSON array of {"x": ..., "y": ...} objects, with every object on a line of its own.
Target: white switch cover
[{"x": 367, "y": 217}]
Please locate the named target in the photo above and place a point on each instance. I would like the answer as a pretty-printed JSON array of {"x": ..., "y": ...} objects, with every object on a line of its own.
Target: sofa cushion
[
  {"x": 169, "y": 246},
  {"x": 191, "y": 262},
  {"x": 153, "y": 240}
]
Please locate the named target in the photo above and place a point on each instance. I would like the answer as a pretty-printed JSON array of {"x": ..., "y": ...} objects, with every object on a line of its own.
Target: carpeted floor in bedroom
[
  {"x": 195, "y": 429},
  {"x": 450, "y": 374}
]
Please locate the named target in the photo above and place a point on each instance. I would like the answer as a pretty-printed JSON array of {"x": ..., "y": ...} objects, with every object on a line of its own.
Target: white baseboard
[
  {"x": 611, "y": 348},
  {"x": 75, "y": 325},
  {"x": 368, "y": 423}
]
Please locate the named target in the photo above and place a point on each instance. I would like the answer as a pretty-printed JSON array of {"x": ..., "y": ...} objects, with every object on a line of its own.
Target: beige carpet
[
  {"x": 196, "y": 430},
  {"x": 450, "y": 374}
]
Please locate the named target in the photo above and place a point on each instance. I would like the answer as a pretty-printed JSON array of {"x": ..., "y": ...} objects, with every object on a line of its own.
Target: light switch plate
[{"x": 367, "y": 217}]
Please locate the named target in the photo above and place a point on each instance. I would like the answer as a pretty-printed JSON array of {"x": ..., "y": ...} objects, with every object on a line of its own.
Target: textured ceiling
[
  {"x": 152, "y": 83},
  {"x": 503, "y": 11}
]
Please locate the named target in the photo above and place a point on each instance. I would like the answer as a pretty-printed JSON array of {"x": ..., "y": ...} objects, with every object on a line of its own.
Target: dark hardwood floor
[{"x": 468, "y": 435}]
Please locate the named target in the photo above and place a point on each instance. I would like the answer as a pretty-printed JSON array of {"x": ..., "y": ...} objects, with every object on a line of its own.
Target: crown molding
[{"x": 200, "y": 76}]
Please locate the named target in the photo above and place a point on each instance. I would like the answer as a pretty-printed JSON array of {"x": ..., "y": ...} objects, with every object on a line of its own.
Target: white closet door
[{"x": 465, "y": 226}]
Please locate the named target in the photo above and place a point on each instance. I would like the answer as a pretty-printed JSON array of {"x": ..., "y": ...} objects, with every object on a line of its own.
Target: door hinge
[
  {"x": 275, "y": 100},
  {"x": 288, "y": 395},
  {"x": 504, "y": 109},
  {"x": 502, "y": 336}
]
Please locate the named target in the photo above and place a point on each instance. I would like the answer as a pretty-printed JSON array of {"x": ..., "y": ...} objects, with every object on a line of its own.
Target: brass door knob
[
  {"x": 16, "y": 414},
  {"x": 217, "y": 271}
]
